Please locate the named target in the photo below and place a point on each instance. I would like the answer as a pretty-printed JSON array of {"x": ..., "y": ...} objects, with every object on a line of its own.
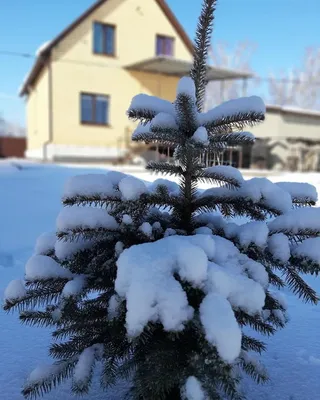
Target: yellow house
[{"x": 82, "y": 82}]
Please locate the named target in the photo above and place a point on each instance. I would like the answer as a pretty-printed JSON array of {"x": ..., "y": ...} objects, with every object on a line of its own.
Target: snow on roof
[
  {"x": 42, "y": 48},
  {"x": 293, "y": 110}
]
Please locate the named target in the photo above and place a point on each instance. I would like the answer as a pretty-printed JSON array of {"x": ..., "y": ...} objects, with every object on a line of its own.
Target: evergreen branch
[
  {"x": 255, "y": 322},
  {"x": 278, "y": 319},
  {"x": 142, "y": 115},
  {"x": 217, "y": 178},
  {"x": 161, "y": 197},
  {"x": 202, "y": 43},
  {"x": 167, "y": 131},
  {"x": 60, "y": 372},
  {"x": 236, "y": 122},
  {"x": 252, "y": 344},
  {"x": 164, "y": 168},
  {"x": 303, "y": 201},
  {"x": 254, "y": 370},
  {"x": 305, "y": 265},
  {"x": 272, "y": 303},
  {"x": 231, "y": 139},
  {"x": 229, "y": 385},
  {"x": 273, "y": 278},
  {"x": 299, "y": 286},
  {"x": 37, "y": 297},
  {"x": 186, "y": 114},
  {"x": 298, "y": 236},
  {"x": 38, "y": 318},
  {"x": 163, "y": 138},
  {"x": 87, "y": 233},
  {"x": 231, "y": 206},
  {"x": 110, "y": 372},
  {"x": 92, "y": 200}
]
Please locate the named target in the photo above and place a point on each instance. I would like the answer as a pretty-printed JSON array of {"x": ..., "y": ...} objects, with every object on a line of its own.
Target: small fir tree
[{"x": 156, "y": 283}]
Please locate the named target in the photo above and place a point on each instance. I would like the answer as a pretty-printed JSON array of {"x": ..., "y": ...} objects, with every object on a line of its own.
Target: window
[
  {"x": 164, "y": 46},
  {"x": 103, "y": 39},
  {"x": 94, "y": 109}
]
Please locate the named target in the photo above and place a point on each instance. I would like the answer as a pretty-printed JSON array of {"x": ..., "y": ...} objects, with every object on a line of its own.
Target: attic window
[
  {"x": 164, "y": 45},
  {"x": 104, "y": 39}
]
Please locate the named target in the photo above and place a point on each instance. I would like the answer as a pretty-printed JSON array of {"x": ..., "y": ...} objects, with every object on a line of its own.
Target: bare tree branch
[
  {"x": 299, "y": 87},
  {"x": 238, "y": 58}
]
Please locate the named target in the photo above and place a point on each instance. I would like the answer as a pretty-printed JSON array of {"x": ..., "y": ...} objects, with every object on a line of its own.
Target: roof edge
[{"x": 293, "y": 110}]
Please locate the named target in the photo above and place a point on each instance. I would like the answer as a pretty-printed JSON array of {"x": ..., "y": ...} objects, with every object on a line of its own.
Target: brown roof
[{"x": 43, "y": 58}]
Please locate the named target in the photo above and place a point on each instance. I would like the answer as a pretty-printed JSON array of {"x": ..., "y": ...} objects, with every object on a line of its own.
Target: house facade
[
  {"x": 82, "y": 82},
  {"x": 289, "y": 139}
]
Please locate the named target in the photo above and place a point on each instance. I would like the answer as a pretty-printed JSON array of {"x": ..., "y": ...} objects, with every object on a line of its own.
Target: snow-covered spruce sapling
[{"x": 157, "y": 283}]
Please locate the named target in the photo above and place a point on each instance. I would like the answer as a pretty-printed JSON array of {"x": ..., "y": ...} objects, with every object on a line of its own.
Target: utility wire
[{"x": 103, "y": 65}]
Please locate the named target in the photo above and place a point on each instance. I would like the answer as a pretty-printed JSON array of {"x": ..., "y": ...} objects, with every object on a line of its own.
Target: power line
[
  {"x": 16, "y": 54},
  {"x": 103, "y": 65}
]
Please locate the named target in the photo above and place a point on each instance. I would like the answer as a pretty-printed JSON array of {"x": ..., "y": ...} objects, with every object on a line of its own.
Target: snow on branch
[
  {"x": 85, "y": 218},
  {"x": 279, "y": 247},
  {"x": 254, "y": 232},
  {"x": 142, "y": 132},
  {"x": 230, "y": 282},
  {"x": 201, "y": 136},
  {"x": 43, "y": 378},
  {"x": 146, "y": 279},
  {"x": 83, "y": 370},
  {"x": 74, "y": 287},
  {"x": 115, "y": 177},
  {"x": 45, "y": 243},
  {"x": 309, "y": 248},
  {"x": 259, "y": 191},
  {"x": 132, "y": 188},
  {"x": 300, "y": 192},
  {"x": 264, "y": 191},
  {"x": 237, "y": 110},
  {"x": 15, "y": 290},
  {"x": 89, "y": 185},
  {"x": 186, "y": 87},
  {"x": 225, "y": 174},
  {"x": 193, "y": 389},
  {"x": 163, "y": 121},
  {"x": 66, "y": 249},
  {"x": 232, "y": 139},
  {"x": 144, "y": 107},
  {"x": 219, "y": 322},
  {"x": 172, "y": 187},
  {"x": 298, "y": 221},
  {"x": 41, "y": 267},
  {"x": 162, "y": 128}
]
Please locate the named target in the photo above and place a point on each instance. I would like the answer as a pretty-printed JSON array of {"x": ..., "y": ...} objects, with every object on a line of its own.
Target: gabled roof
[{"x": 42, "y": 59}]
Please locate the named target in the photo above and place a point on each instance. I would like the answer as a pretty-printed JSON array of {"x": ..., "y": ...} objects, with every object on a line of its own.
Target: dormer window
[
  {"x": 104, "y": 39},
  {"x": 164, "y": 45}
]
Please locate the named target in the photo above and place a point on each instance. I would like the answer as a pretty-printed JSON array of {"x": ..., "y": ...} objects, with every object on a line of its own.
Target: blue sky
[{"x": 282, "y": 29}]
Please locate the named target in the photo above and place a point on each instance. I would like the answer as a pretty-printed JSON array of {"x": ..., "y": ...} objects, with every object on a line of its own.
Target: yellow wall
[
  {"x": 281, "y": 125},
  {"x": 270, "y": 127},
  {"x": 37, "y": 108},
  {"x": 75, "y": 69}
]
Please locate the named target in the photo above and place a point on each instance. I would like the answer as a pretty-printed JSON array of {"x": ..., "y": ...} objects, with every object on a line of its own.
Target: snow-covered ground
[{"x": 29, "y": 205}]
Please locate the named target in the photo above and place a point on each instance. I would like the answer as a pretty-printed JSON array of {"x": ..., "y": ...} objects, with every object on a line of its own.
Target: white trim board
[{"x": 68, "y": 151}]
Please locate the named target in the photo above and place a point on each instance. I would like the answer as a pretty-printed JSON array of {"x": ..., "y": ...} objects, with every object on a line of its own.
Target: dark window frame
[
  {"x": 164, "y": 38},
  {"x": 104, "y": 42},
  {"x": 94, "y": 106}
]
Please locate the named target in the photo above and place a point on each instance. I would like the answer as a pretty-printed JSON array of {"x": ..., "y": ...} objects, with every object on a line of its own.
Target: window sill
[
  {"x": 165, "y": 55},
  {"x": 95, "y": 124},
  {"x": 105, "y": 55}
]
